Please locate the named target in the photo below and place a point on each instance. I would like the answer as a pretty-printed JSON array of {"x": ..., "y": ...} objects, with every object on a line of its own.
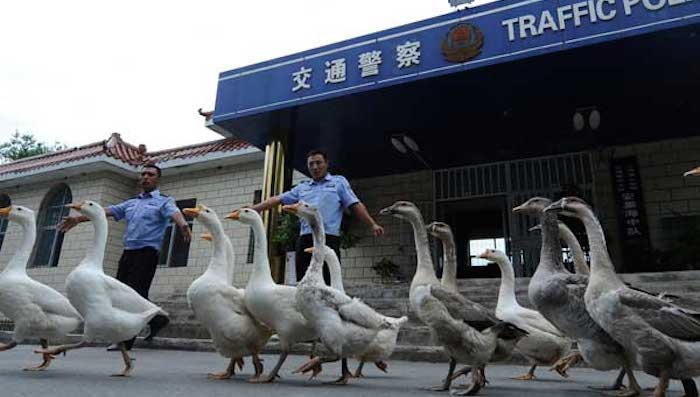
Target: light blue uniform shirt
[
  {"x": 147, "y": 215},
  {"x": 330, "y": 196}
]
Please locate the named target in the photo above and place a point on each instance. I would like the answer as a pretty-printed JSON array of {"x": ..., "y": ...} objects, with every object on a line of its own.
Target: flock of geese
[{"x": 613, "y": 325}]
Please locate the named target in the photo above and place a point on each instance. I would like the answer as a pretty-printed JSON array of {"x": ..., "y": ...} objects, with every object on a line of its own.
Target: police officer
[
  {"x": 330, "y": 194},
  {"x": 147, "y": 216}
]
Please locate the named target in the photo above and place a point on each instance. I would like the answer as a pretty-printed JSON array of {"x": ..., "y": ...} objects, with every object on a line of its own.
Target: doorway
[{"x": 477, "y": 224}]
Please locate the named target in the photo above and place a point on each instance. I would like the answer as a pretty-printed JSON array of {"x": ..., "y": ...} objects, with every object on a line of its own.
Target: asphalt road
[{"x": 86, "y": 372}]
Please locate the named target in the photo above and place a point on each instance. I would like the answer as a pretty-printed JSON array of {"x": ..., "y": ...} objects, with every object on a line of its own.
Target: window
[
  {"x": 4, "y": 202},
  {"x": 175, "y": 251},
  {"x": 48, "y": 246},
  {"x": 257, "y": 197},
  {"x": 476, "y": 247}
]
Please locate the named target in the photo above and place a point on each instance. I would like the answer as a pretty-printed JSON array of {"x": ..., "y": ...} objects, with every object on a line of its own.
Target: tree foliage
[{"x": 25, "y": 145}]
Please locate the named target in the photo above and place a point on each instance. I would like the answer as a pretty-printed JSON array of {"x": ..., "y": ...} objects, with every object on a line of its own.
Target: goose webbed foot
[
  {"x": 530, "y": 375},
  {"x": 313, "y": 365},
  {"x": 45, "y": 364},
  {"x": 565, "y": 363},
  {"x": 127, "y": 362},
  {"x": 478, "y": 381},
  {"x": 47, "y": 358},
  {"x": 227, "y": 374}
]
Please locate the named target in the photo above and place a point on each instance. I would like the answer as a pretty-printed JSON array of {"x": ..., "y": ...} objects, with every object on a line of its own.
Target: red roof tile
[
  {"x": 118, "y": 149},
  {"x": 200, "y": 149}
]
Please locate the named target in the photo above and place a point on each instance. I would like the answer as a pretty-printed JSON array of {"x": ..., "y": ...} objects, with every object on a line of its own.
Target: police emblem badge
[{"x": 462, "y": 43}]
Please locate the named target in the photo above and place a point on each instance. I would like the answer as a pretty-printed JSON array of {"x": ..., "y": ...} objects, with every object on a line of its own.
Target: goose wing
[
  {"x": 52, "y": 302},
  {"x": 665, "y": 317},
  {"x": 463, "y": 309},
  {"x": 124, "y": 297},
  {"x": 535, "y": 320},
  {"x": 230, "y": 298},
  {"x": 349, "y": 309}
]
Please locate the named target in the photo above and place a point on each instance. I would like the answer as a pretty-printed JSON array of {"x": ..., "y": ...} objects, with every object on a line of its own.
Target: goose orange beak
[
  {"x": 207, "y": 236},
  {"x": 234, "y": 216},
  {"x": 309, "y": 250},
  {"x": 5, "y": 211},
  {"x": 292, "y": 208},
  {"x": 191, "y": 212},
  {"x": 75, "y": 206}
]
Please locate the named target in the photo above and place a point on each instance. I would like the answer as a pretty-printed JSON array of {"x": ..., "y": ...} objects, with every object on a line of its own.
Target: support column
[{"x": 277, "y": 178}]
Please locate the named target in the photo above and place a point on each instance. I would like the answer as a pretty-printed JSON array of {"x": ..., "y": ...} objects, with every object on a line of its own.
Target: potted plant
[
  {"x": 285, "y": 237},
  {"x": 387, "y": 270}
]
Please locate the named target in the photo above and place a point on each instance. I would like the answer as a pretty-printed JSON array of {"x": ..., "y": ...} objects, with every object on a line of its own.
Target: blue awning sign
[
  {"x": 497, "y": 32},
  {"x": 588, "y": 11}
]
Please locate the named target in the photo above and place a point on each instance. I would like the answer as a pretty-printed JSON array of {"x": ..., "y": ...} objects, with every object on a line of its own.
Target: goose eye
[
  {"x": 19, "y": 209},
  {"x": 91, "y": 204}
]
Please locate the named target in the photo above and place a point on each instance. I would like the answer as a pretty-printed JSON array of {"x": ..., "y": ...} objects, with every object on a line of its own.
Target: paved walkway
[{"x": 179, "y": 373}]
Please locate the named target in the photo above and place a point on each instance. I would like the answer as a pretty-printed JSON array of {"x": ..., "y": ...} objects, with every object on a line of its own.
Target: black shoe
[{"x": 157, "y": 324}]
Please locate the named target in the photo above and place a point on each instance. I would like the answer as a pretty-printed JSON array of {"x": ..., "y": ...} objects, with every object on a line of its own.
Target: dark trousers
[
  {"x": 137, "y": 269},
  {"x": 303, "y": 258}
]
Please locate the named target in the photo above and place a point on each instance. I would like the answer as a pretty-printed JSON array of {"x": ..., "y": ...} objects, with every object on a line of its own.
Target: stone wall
[
  {"x": 669, "y": 198},
  {"x": 397, "y": 243},
  {"x": 105, "y": 188}
]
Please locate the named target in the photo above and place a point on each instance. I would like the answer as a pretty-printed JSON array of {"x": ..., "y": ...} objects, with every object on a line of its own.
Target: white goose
[
  {"x": 662, "y": 338},
  {"x": 346, "y": 326},
  {"x": 544, "y": 344},
  {"x": 37, "y": 310},
  {"x": 451, "y": 317},
  {"x": 379, "y": 350},
  {"x": 558, "y": 295},
  {"x": 270, "y": 303},
  {"x": 112, "y": 311},
  {"x": 220, "y": 306}
]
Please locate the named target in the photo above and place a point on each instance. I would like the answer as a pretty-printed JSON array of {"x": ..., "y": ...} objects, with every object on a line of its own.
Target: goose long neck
[
  {"x": 550, "y": 253},
  {"x": 96, "y": 253},
  {"x": 601, "y": 264},
  {"x": 425, "y": 273},
  {"x": 334, "y": 269},
  {"x": 19, "y": 260},
  {"x": 506, "y": 292},
  {"x": 220, "y": 260},
  {"x": 449, "y": 255},
  {"x": 261, "y": 268},
  {"x": 314, "y": 273},
  {"x": 580, "y": 265},
  {"x": 318, "y": 234}
]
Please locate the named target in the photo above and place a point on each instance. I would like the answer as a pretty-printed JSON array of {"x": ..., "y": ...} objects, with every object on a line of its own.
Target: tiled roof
[
  {"x": 118, "y": 149},
  {"x": 200, "y": 149}
]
